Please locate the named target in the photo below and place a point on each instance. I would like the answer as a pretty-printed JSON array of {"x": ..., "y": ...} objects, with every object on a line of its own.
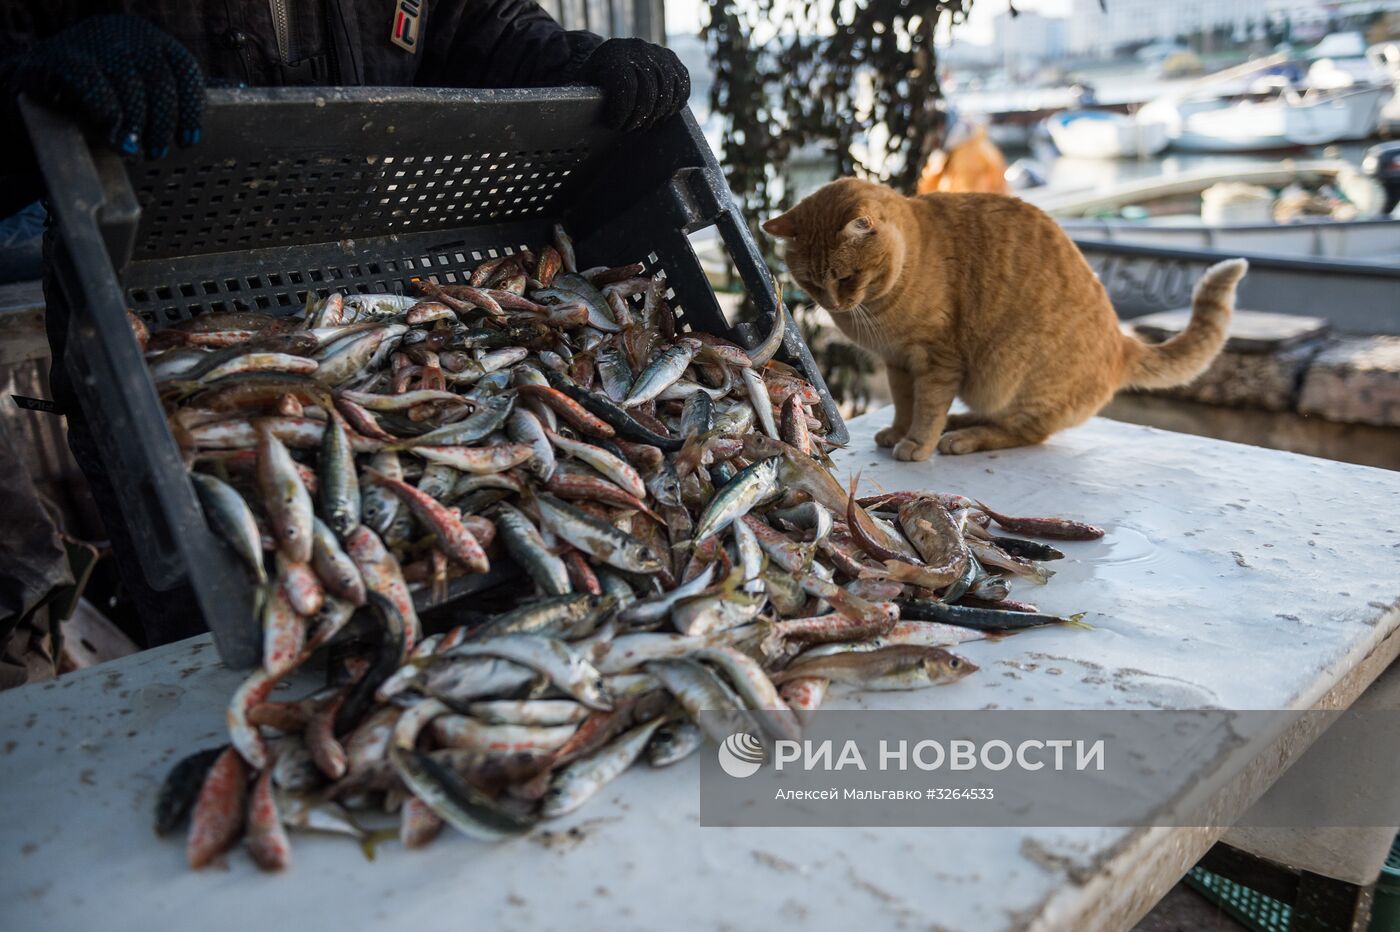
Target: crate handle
[{"x": 758, "y": 282}]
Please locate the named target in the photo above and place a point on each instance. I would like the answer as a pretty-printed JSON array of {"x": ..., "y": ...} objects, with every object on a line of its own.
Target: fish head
[
  {"x": 665, "y": 485},
  {"x": 946, "y": 666},
  {"x": 600, "y": 604},
  {"x": 341, "y": 519},
  {"x": 758, "y": 445},
  {"x": 647, "y": 562},
  {"x": 594, "y": 693},
  {"x": 497, "y": 381},
  {"x": 562, "y": 797}
]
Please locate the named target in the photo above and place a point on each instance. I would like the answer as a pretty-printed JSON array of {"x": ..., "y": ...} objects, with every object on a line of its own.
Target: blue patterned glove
[{"x": 121, "y": 76}]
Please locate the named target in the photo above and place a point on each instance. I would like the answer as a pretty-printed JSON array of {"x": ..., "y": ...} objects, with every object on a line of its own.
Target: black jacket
[
  {"x": 463, "y": 43},
  {"x": 262, "y": 43}
]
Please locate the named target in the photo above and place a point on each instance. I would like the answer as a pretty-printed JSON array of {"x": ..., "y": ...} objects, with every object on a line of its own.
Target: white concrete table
[{"x": 1231, "y": 576}]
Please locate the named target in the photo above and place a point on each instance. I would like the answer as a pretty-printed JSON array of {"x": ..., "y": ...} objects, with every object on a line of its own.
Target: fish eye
[{"x": 954, "y": 663}]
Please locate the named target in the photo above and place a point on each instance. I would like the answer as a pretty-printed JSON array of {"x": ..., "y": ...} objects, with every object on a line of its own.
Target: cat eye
[{"x": 846, "y": 280}]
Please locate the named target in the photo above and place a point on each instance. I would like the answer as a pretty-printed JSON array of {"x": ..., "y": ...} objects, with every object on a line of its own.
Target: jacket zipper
[{"x": 282, "y": 26}]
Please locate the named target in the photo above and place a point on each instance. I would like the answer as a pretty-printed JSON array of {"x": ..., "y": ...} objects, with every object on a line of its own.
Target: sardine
[
  {"x": 530, "y": 552},
  {"x": 699, "y": 690},
  {"x": 668, "y": 366},
  {"x": 570, "y": 616},
  {"x": 537, "y": 712},
  {"x": 614, "y": 467},
  {"x": 750, "y": 487},
  {"x": 614, "y": 372},
  {"x": 454, "y": 800},
  {"x": 524, "y": 426},
  {"x": 233, "y": 520},
  {"x": 470, "y": 734},
  {"x": 552, "y": 658},
  {"x": 673, "y": 742},
  {"x": 888, "y": 668},
  {"x": 581, "y": 780},
  {"x": 338, "y": 486},
  {"x": 601, "y": 541}
]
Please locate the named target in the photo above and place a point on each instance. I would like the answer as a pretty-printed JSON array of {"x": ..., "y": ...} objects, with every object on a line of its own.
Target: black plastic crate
[{"x": 296, "y": 190}]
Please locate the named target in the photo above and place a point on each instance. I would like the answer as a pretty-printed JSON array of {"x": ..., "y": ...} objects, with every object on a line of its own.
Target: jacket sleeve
[
  {"x": 20, "y": 182},
  {"x": 499, "y": 43}
]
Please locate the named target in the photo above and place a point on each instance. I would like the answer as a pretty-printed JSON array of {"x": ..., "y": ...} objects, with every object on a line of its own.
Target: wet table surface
[{"x": 1231, "y": 576}]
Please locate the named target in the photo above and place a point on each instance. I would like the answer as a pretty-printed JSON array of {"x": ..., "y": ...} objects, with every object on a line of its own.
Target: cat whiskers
[{"x": 869, "y": 330}]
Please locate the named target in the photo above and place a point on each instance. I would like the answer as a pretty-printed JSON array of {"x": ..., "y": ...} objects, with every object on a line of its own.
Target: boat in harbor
[
  {"x": 1273, "y": 103},
  {"x": 1273, "y": 116},
  {"x": 1182, "y": 193},
  {"x": 1363, "y": 241},
  {"x": 1104, "y": 134},
  {"x": 1267, "y": 209},
  {"x": 1355, "y": 296}
]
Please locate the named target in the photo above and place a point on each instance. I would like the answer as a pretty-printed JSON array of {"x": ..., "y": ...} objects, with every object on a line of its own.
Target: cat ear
[
  {"x": 859, "y": 227},
  {"x": 782, "y": 226}
]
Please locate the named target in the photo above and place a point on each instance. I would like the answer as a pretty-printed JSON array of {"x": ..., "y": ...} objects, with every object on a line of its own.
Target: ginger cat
[{"x": 982, "y": 297}]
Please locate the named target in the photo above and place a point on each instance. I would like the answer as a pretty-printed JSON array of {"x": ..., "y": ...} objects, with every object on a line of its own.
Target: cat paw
[
  {"x": 909, "y": 451},
  {"x": 888, "y": 436},
  {"x": 958, "y": 442}
]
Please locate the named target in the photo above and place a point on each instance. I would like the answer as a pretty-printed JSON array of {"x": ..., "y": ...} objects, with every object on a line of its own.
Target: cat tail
[{"x": 1186, "y": 355}]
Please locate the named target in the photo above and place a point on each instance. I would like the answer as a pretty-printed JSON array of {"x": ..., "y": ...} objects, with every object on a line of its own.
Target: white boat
[
  {"x": 1237, "y": 225},
  {"x": 1212, "y": 114},
  {"x": 1186, "y": 187},
  {"x": 1103, "y": 134},
  {"x": 1360, "y": 241},
  {"x": 1282, "y": 119}
]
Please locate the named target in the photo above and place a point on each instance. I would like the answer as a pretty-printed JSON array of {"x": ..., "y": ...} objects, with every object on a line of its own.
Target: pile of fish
[{"x": 663, "y": 497}]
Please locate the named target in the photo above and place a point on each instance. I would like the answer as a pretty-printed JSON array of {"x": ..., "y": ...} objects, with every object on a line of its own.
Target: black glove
[
  {"x": 642, "y": 83},
  {"x": 121, "y": 76}
]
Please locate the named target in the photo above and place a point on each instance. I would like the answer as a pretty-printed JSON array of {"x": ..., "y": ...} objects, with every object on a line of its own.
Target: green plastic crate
[
  {"x": 1385, "y": 908},
  {"x": 1257, "y": 911},
  {"x": 1266, "y": 914}
]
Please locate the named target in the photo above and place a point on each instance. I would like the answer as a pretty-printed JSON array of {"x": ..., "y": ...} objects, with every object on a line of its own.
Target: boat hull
[
  {"x": 1101, "y": 134},
  {"x": 1364, "y": 241},
  {"x": 1251, "y": 126}
]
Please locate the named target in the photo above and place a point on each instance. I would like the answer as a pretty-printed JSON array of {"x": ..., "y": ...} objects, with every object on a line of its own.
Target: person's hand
[
  {"x": 121, "y": 76},
  {"x": 642, "y": 83}
]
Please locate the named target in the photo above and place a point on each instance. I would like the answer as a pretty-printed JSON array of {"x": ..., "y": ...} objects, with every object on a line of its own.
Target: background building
[
  {"x": 1095, "y": 32},
  {"x": 1030, "y": 38}
]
